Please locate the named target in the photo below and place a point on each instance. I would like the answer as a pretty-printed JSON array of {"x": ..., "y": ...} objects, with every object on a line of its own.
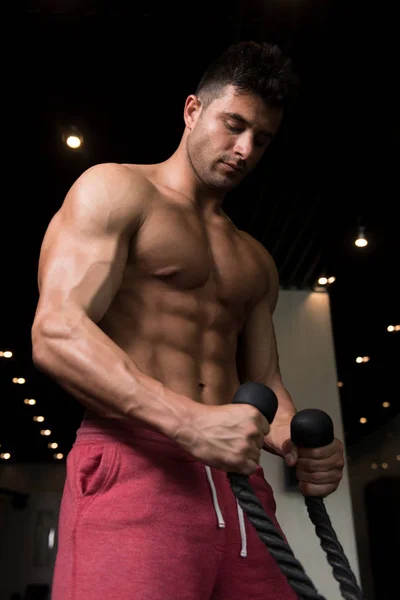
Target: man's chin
[{"x": 225, "y": 182}]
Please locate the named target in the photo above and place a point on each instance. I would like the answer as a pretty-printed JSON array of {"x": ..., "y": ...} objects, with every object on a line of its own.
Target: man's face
[{"x": 229, "y": 137}]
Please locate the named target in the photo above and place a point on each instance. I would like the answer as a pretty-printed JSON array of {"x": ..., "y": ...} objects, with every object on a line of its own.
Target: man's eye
[
  {"x": 261, "y": 143},
  {"x": 233, "y": 128}
]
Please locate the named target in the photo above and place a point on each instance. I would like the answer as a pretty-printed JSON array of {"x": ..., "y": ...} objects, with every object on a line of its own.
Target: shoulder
[
  {"x": 113, "y": 178},
  {"x": 109, "y": 192},
  {"x": 262, "y": 253}
]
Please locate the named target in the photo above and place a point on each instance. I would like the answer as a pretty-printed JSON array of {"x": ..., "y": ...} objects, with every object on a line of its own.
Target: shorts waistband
[{"x": 125, "y": 432}]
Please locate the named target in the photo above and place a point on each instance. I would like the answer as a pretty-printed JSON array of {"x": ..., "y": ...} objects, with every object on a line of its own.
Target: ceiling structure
[{"x": 120, "y": 73}]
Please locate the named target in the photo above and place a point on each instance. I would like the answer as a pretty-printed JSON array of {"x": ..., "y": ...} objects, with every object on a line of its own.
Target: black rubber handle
[
  {"x": 311, "y": 428},
  {"x": 258, "y": 395}
]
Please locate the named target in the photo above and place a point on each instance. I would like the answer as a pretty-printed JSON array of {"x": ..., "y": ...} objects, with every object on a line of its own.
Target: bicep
[
  {"x": 79, "y": 268},
  {"x": 257, "y": 354},
  {"x": 83, "y": 256}
]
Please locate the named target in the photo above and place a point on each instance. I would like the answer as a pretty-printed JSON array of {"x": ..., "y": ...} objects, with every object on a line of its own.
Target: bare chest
[{"x": 177, "y": 246}]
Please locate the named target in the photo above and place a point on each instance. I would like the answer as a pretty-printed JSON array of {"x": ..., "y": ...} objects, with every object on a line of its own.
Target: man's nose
[{"x": 244, "y": 146}]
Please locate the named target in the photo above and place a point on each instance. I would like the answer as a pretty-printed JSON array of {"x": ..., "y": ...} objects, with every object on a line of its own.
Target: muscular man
[{"x": 146, "y": 287}]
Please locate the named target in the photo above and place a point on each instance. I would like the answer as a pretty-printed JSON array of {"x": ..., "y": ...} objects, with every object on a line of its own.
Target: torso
[{"x": 188, "y": 284}]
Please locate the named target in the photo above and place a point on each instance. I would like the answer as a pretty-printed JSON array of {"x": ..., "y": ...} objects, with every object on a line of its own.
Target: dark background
[{"x": 121, "y": 73}]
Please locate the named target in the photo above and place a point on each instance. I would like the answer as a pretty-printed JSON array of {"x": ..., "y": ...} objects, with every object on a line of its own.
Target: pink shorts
[{"x": 141, "y": 519}]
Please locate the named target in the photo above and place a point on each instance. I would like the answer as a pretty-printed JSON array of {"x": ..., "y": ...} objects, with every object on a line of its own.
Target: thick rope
[
  {"x": 267, "y": 532},
  {"x": 334, "y": 552}
]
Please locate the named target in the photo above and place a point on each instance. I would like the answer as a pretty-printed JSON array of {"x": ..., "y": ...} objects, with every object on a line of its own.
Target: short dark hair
[{"x": 251, "y": 67}]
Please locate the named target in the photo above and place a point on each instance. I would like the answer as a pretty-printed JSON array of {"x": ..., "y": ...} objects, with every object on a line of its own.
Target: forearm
[
  {"x": 280, "y": 426},
  {"x": 286, "y": 408},
  {"x": 96, "y": 371}
]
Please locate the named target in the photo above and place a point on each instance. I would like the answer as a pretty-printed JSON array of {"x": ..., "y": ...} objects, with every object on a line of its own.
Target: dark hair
[{"x": 251, "y": 67}]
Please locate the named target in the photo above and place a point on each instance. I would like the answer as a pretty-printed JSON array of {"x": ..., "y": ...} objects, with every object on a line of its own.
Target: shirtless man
[{"x": 146, "y": 287}]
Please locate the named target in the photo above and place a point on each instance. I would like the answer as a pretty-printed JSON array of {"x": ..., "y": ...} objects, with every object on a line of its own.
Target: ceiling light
[
  {"x": 29, "y": 401},
  {"x": 5, "y": 455},
  {"x": 38, "y": 419},
  {"x": 72, "y": 137},
  {"x": 45, "y": 432},
  {"x": 361, "y": 240},
  {"x": 363, "y": 420},
  {"x": 73, "y": 141},
  {"x": 6, "y": 353},
  {"x": 52, "y": 445},
  {"x": 59, "y": 456},
  {"x": 385, "y": 404}
]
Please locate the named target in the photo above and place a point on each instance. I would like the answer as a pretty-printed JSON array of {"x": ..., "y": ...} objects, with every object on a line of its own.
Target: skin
[{"x": 147, "y": 288}]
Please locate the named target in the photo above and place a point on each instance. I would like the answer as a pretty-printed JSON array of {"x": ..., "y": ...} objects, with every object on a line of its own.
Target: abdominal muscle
[{"x": 186, "y": 357}]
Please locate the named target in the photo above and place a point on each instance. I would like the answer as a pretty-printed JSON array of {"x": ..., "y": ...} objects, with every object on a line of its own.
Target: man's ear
[{"x": 192, "y": 110}]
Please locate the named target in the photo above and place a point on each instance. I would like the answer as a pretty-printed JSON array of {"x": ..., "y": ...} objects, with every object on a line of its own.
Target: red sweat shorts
[{"x": 141, "y": 519}]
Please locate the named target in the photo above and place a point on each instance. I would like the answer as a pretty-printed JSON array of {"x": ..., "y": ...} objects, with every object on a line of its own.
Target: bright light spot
[
  {"x": 331, "y": 279},
  {"x": 361, "y": 242},
  {"x": 340, "y": 383},
  {"x": 73, "y": 141},
  {"x": 30, "y": 401},
  {"x": 5, "y": 455},
  {"x": 6, "y": 353},
  {"x": 59, "y": 456},
  {"x": 38, "y": 419},
  {"x": 385, "y": 404},
  {"x": 53, "y": 445},
  {"x": 366, "y": 358},
  {"x": 359, "y": 359},
  {"x": 52, "y": 535},
  {"x": 363, "y": 420},
  {"x": 322, "y": 281},
  {"x": 45, "y": 432},
  {"x": 390, "y": 328},
  {"x": 384, "y": 465},
  {"x": 374, "y": 466}
]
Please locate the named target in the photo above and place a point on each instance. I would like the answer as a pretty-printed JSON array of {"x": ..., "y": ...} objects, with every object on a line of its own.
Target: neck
[{"x": 178, "y": 174}]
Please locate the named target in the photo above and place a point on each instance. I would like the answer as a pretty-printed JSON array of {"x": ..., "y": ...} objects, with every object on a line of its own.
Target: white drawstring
[
  {"x": 242, "y": 526},
  {"x": 221, "y": 522},
  {"x": 220, "y": 518}
]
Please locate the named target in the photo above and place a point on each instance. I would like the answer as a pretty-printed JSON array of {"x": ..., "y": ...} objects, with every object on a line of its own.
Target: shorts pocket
[{"x": 93, "y": 466}]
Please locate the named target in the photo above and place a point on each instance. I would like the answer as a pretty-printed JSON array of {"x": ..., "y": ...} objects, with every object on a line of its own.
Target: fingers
[
  {"x": 318, "y": 491},
  {"x": 319, "y": 478},
  {"x": 325, "y": 452},
  {"x": 309, "y": 465},
  {"x": 320, "y": 470}
]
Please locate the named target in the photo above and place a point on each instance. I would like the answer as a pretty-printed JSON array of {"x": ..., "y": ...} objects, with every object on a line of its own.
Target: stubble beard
[{"x": 211, "y": 183}]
